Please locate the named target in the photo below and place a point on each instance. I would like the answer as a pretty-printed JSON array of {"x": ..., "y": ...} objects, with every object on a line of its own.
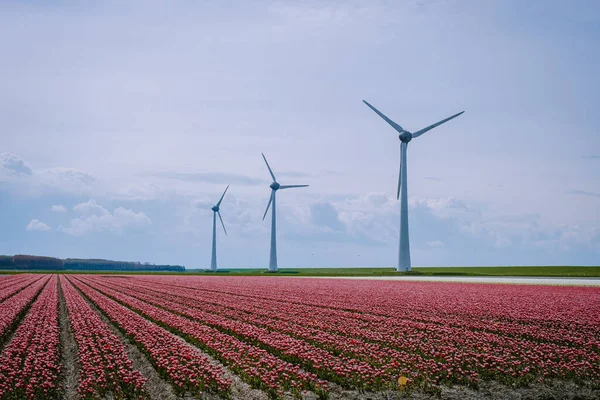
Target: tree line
[{"x": 27, "y": 262}]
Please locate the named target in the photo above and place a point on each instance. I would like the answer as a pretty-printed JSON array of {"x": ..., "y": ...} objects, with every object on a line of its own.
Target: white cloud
[
  {"x": 37, "y": 225},
  {"x": 39, "y": 182},
  {"x": 95, "y": 218},
  {"x": 90, "y": 208},
  {"x": 59, "y": 208},
  {"x": 66, "y": 179},
  {"x": 12, "y": 165}
]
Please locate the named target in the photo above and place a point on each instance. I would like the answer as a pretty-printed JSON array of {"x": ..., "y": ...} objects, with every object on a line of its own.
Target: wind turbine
[
  {"x": 275, "y": 186},
  {"x": 402, "y": 194},
  {"x": 216, "y": 210}
]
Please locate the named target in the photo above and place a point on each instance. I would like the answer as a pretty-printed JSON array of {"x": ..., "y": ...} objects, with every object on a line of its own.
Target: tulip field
[{"x": 277, "y": 337}]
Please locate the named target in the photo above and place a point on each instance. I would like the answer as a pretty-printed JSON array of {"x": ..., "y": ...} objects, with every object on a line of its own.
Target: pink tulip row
[
  {"x": 418, "y": 352},
  {"x": 452, "y": 348},
  {"x": 30, "y": 363},
  {"x": 387, "y": 364},
  {"x": 10, "y": 287},
  {"x": 351, "y": 372},
  {"x": 13, "y": 307},
  {"x": 7, "y": 280},
  {"x": 510, "y": 307},
  {"x": 256, "y": 366},
  {"x": 556, "y": 310},
  {"x": 332, "y": 328},
  {"x": 188, "y": 370},
  {"x": 104, "y": 365}
]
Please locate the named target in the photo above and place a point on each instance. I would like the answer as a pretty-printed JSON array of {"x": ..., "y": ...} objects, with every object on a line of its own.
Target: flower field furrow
[
  {"x": 348, "y": 371},
  {"x": 13, "y": 307},
  {"x": 104, "y": 365},
  {"x": 30, "y": 363},
  {"x": 188, "y": 370},
  {"x": 445, "y": 350}
]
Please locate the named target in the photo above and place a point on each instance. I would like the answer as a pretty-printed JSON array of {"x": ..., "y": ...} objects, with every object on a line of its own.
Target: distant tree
[
  {"x": 6, "y": 261},
  {"x": 21, "y": 261},
  {"x": 27, "y": 262},
  {"x": 108, "y": 265}
]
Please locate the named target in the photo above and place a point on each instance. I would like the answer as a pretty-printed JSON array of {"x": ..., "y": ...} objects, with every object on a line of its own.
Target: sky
[{"x": 122, "y": 122}]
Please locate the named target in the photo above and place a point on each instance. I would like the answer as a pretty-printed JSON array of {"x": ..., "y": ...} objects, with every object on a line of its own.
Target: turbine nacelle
[
  {"x": 215, "y": 208},
  {"x": 275, "y": 186},
  {"x": 405, "y": 136}
]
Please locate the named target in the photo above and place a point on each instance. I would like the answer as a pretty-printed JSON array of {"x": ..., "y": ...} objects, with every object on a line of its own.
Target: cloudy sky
[{"x": 122, "y": 122}]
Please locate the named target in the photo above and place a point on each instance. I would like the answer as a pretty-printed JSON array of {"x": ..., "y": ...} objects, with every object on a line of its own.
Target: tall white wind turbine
[
  {"x": 216, "y": 211},
  {"x": 402, "y": 194},
  {"x": 275, "y": 186}
]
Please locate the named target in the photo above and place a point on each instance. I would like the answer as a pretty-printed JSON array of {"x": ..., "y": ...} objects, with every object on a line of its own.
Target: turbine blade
[
  {"x": 291, "y": 186},
  {"x": 268, "y": 205},
  {"x": 219, "y": 203},
  {"x": 389, "y": 121},
  {"x": 225, "y": 230},
  {"x": 400, "y": 173},
  {"x": 430, "y": 127},
  {"x": 270, "y": 171}
]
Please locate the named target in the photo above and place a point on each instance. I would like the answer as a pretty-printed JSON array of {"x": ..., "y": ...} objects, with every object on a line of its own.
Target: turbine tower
[
  {"x": 275, "y": 186},
  {"x": 402, "y": 194},
  {"x": 216, "y": 210}
]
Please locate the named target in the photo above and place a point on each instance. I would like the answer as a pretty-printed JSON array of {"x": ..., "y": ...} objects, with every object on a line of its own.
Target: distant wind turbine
[
  {"x": 216, "y": 210},
  {"x": 405, "y": 137},
  {"x": 275, "y": 186}
]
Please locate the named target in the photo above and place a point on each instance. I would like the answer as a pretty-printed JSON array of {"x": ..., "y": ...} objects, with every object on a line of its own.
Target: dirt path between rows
[{"x": 68, "y": 349}]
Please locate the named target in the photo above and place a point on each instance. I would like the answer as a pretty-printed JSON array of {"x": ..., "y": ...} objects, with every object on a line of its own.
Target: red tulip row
[
  {"x": 104, "y": 365},
  {"x": 454, "y": 346},
  {"x": 10, "y": 287},
  {"x": 30, "y": 363},
  {"x": 254, "y": 365},
  {"x": 187, "y": 369},
  {"x": 418, "y": 349},
  {"x": 12, "y": 308}
]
